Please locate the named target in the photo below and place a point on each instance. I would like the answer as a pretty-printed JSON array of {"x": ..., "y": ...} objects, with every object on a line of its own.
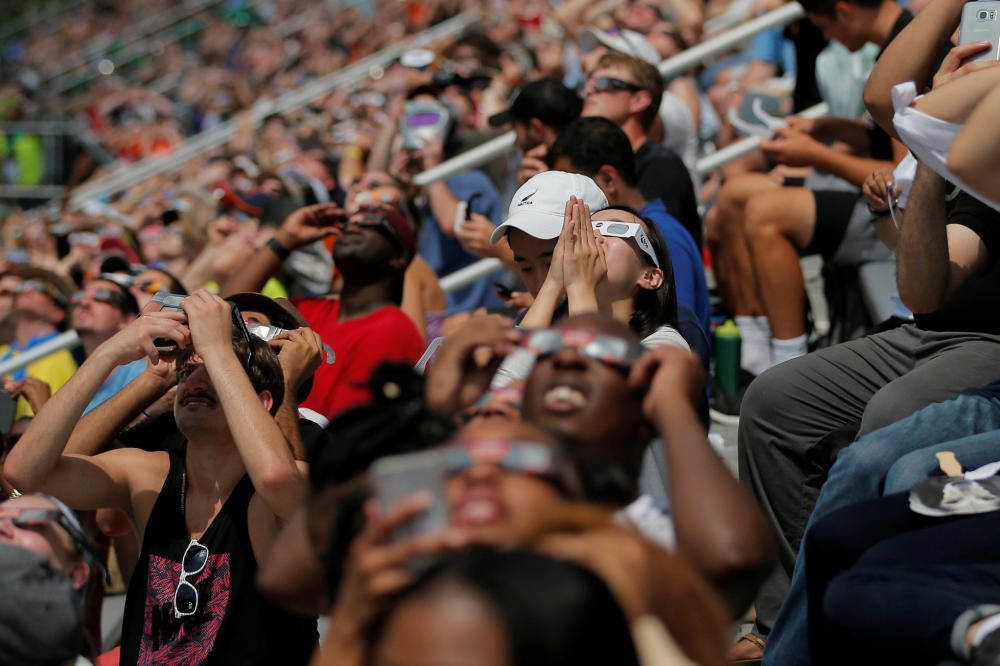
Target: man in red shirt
[{"x": 364, "y": 325}]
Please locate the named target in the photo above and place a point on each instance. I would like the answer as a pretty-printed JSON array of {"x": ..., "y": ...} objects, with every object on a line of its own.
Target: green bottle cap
[{"x": 728, "y": 330}]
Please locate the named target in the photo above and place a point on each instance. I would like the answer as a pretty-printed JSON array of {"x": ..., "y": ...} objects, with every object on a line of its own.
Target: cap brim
[
  {"x": 536, "y": 225},
  {"x": 505, "y": 117},
  {"x": 275, "y": 309}
]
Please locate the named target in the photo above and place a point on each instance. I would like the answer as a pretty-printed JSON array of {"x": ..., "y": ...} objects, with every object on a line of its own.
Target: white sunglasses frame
[{"x": 634, "y": 230}]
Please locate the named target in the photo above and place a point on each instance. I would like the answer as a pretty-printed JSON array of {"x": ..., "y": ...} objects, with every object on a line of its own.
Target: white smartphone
[
  {"x": 398, "y": 477},
  {"x": 981, "y": 21},
  {"x": 461, "y": 214}
]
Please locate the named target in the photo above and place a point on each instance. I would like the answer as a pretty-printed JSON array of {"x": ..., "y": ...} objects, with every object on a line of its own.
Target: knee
[
  {"x": 713, "y": 230},
  {"x": 889, "y": 404},
  {"x": 761, "y": 219},
  {"x": 909, "y": 470},
  {"x": 766, "y": 403},
  {"x": 735, "y": 192}
]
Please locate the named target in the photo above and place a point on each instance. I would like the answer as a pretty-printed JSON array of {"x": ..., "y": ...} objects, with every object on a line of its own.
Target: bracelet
[{"x": 279, "y": 250}]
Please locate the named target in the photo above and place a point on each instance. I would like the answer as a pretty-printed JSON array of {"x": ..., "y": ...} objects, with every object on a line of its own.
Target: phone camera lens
[{"x": 983, "y": 15}]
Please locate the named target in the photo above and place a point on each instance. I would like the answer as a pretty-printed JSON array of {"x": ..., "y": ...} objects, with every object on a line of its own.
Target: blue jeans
[{"x": 902, "y": 453}]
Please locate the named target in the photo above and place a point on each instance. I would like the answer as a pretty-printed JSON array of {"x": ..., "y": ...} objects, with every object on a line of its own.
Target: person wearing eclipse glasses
[
  {"x": 363, "y": 325},
  {"x": 595, "y": 387},
  {"x": 208, "y": 510},
  {"x": 571, "y": 260}
]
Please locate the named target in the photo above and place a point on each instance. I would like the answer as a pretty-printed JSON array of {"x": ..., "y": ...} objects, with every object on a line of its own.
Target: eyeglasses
[
  {"x": 607, "y": 83},
  {"x": 619, "y": 229},
  {"x": 518, "y": 457},
  {"x": 42, "y": 287},
  {"x": 34, "y": 519},
  {"x": 372, "y": 218},
  {"x": 193, "y": 563},
  {"x": 106, "y": 296},
  {"x": 150, "y": 286},
  {"x": 608, "y": 349},
  {"x": 241, "y": 326}
]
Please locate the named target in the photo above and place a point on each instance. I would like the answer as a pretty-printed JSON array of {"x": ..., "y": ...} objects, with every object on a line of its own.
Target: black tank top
[{"x": 233, "y": 624}]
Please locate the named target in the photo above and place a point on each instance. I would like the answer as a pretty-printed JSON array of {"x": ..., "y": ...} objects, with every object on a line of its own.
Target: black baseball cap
[{"x": 547, "y": 99}]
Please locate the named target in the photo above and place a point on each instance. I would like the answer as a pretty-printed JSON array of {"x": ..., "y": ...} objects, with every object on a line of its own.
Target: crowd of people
[{"x": 270, "y": 407}]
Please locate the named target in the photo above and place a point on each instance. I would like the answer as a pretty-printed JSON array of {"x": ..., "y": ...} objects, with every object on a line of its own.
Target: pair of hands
[
  {"x": 795, "y": 145},
  {"x": 578, "y": 260},
  {"x": 375, "y": 570},
  {"x": 206, "y": 322}
]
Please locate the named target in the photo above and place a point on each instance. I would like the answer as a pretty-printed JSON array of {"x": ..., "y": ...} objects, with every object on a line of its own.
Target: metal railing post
[{"x": 66, "y": 340}]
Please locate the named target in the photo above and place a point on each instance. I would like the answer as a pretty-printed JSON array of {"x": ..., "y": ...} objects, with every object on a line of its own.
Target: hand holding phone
[
  {"x": 397, "y": 478},
  {"x": 981, "y": 22}
]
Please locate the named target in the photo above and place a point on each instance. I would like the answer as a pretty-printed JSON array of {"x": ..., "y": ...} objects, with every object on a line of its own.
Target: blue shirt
[
  {"x": 689, "y": 271},
  {"x": 446, "y": 255},
  {"x": 119, "y": 379}
]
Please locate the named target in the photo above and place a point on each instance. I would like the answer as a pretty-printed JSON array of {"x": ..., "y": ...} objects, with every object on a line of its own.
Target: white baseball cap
[
  {"x": 628, "y": 42},
  {"x": 538, "y": 206}
]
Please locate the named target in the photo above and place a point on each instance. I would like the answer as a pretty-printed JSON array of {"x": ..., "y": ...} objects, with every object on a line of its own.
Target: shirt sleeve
[{"x": 967, "y": 211}]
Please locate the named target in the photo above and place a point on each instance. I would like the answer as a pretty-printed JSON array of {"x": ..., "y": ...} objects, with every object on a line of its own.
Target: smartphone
[
  {"x": 461, "y": 215},
  {"x": 981, "y": 21},
  {"x": 164, "y": 300},
  {"x": 503, "y": 290},
  {"x": 398, "y": 477}
]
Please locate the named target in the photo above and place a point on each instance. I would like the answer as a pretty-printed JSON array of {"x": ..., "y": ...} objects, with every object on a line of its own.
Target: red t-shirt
[{"x": 359, "y": 346}]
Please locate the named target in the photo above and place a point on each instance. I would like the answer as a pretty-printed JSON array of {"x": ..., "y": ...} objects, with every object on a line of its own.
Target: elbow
[
  {"x": 283, "y": 485},
  {"x": 739, "y": 564},
  {"x": 919, "y": 300},
  {"x": 878, "y": 101},
  {"x": 19, "y": 478}
]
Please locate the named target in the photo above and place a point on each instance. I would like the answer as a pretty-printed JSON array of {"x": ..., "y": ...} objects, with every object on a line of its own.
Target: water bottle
[{"x": 727, "y": 356}]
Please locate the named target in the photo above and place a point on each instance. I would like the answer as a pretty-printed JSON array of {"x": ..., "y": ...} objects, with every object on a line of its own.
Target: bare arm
[
  {"x": 974, "y": 156},
  {"x": 718, "y": 524},
  {"x": 443, "y": 203},
  {"x": 84, "y": 482},
  {"x": 261, "y": 445},
  {"x": 96, "y": 431},
  {"x": 933, "y": 258},
  {"x": 304, "y": 226},
  {"x": 911, "y": 56}
]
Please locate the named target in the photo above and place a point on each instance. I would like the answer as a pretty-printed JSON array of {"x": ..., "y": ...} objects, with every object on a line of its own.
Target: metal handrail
[
  {"x": 485, "y": 267},
  {"x": 142, "y": 32},
  {"x": 681, "y": 62},
  {"x": 200, "y": 143},
  {"x": 67, "y": 340},
  {"x": 700, "y": 53}
]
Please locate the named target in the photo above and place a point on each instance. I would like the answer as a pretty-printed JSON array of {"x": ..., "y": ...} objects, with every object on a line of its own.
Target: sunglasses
[
  {"x": 517, "y": 457},
  {"x": 42, "y": 287},
  {"x": 371, "y": 218},
  {"x": 193, "y": 563},
  {"x": 607, "y": 83},
  {"x": 34, "y": 519},
  {"x": 608, "y": 349},
  {"x": 619, "y": 229},
  {"x": 106, "y": 296}
]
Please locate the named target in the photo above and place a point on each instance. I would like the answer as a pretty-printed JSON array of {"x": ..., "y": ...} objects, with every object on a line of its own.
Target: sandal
[{"x": 740, "y": 653}]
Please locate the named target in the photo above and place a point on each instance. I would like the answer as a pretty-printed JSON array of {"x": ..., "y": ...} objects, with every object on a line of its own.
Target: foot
[{"x": 749, "y": 648}]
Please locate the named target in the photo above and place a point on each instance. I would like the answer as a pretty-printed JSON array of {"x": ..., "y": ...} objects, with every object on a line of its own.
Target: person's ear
[
  {"x": 640, "y": 101},
  {"x": 266, "y": 399},
  {"x": 607, "y": 179},
  {"x": 651, "y": 278},
  {"x": 843, "y": 11},
  {"x": 78, "y": 575},
  {"x": 536, "y": 130}
]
